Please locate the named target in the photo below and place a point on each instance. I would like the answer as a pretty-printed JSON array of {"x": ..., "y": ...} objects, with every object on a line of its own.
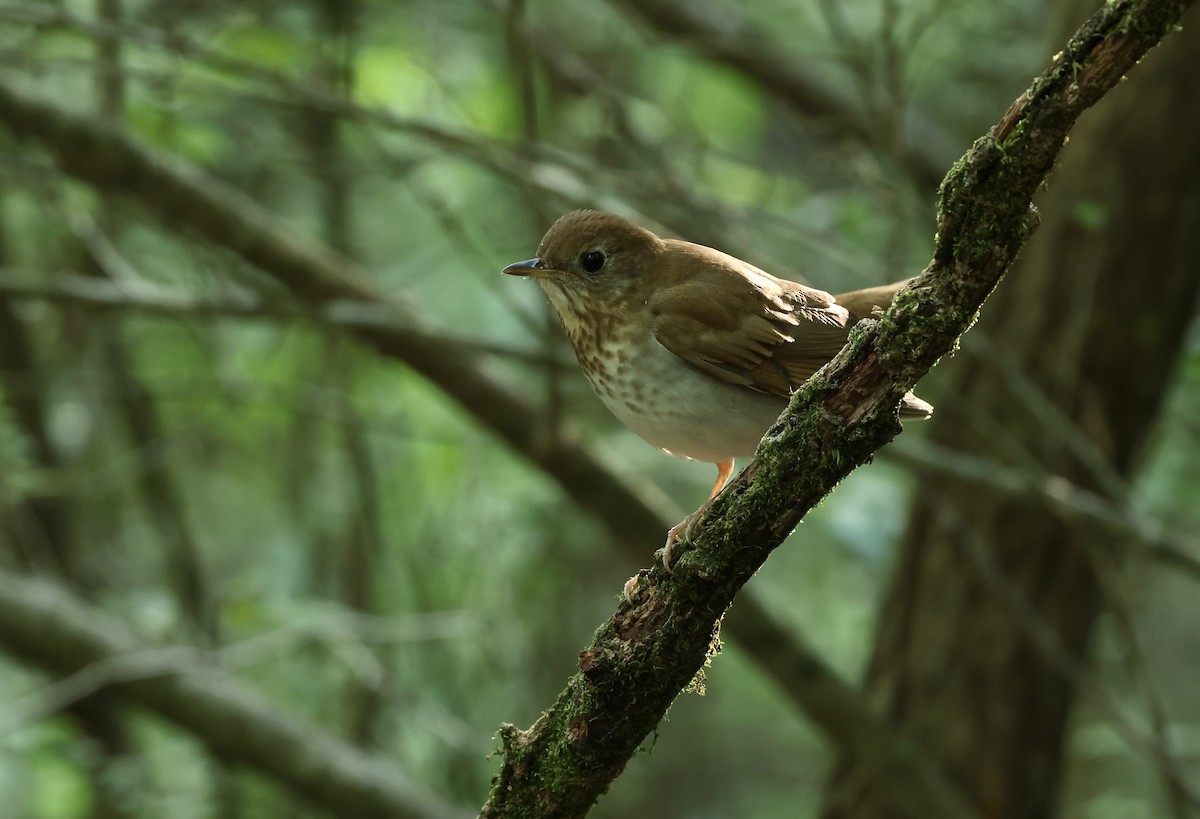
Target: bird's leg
[{"x": 724, "y": 470}]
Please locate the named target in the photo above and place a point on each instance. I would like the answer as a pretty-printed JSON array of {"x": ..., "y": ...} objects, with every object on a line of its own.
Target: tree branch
[
  {"x": 647, "y": 652},
  {"x": 55, "y": 630}
]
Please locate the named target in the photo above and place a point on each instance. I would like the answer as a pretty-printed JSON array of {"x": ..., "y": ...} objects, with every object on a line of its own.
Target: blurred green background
[{"x": 332, "y": 529}]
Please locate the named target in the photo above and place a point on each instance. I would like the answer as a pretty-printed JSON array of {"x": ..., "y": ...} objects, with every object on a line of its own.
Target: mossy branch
[{"x": 647, "y": 652}]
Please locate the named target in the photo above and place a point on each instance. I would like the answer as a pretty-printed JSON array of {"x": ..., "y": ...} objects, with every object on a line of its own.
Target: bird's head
[{"x": 592, "y": 261}]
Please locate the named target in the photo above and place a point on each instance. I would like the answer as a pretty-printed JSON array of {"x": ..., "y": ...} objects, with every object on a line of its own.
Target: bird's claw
[
  {"x": 665, "y": 554},
  {"x": 681, "y": 529}
]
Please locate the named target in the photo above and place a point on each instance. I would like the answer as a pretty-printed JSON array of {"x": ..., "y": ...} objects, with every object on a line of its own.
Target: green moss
[{"x": 1014, "y": 137}]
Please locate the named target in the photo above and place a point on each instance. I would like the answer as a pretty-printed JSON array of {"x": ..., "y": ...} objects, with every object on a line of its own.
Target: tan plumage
[
  {"x": 763, "y": 333},
  {"x": 694, "y": 349}
]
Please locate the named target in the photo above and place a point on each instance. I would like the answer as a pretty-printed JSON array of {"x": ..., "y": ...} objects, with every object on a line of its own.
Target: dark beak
[{"x": 530, "y": 267}]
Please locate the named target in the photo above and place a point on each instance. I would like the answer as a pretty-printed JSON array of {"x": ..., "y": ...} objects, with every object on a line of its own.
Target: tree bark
[{"x": 994, "y": 597}]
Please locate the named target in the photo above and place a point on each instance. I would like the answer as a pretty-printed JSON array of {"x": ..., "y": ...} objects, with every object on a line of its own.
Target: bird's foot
[
  {"x": 665, "y": 554},
  {"x": 679, "y": 530}
]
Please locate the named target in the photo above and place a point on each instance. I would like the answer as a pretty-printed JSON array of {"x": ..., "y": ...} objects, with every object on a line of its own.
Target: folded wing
[{"x": 746, "y": 327}]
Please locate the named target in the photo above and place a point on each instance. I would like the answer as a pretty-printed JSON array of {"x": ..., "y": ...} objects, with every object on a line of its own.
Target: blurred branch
[
  {"x": 553, "y": 173},
  {"x": 186, "y": 573},
  {"x": 40, "y": 529},
  {"x": 1070, "y": 501},
  {"x": 308, "y": 92},
  {"x": 1162, "y": 544},
  {"x": 923, "y": 149},
  {"x": 145, "y": 297},
  {"x": 648, "y": 651},
  {"x": 357, "y": 550},
  {"x": 1182, "y": 796},
  {"x": 188, "y": 201},
  {"x": 556, "y": 175},
  {"x": 52, "y": 628},
  {"x": 1038, "y": 403},
  {"x": 342, "y": 625},
  {"x": 1053, "y": 650}
]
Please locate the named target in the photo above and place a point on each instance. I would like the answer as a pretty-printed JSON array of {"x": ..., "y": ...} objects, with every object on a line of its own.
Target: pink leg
[{"x": 724, "y": 470}]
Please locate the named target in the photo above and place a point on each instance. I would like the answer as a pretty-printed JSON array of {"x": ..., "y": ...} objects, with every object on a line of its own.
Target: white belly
[{"x": 682, "y": 411}]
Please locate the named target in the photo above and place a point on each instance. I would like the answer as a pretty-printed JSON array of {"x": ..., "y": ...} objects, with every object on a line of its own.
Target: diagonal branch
[{"x": 649, "y": 651}]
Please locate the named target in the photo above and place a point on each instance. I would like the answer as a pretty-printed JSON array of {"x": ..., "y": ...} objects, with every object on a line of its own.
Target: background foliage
[{"x": 330, "y": 527}]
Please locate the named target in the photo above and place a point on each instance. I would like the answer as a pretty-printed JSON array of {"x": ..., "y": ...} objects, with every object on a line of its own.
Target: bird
[{"x": 695, "y": 350}]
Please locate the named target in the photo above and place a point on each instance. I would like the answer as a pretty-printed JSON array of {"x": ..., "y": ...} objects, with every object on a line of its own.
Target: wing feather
[{"x": 746, "y": 327}]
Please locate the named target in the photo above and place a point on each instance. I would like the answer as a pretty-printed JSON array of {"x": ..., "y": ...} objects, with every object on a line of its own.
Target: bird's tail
[{"x": 863, "y": 303}]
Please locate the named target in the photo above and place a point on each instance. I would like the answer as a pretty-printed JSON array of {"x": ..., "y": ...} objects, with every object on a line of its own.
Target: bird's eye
[{"x": 592, "y": 261}]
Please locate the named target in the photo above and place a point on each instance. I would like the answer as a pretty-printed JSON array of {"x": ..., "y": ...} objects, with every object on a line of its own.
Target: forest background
[{"x": 293, "y": 488}]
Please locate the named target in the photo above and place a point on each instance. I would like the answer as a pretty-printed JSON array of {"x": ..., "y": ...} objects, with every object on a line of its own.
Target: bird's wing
[{"x": 744, "y": 326}]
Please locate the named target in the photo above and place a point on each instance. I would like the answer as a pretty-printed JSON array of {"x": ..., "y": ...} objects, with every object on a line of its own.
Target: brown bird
[{"x": 694, "y": 350}]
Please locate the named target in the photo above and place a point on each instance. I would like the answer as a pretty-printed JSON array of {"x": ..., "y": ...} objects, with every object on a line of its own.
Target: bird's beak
[{"x": 531, "y": 267}]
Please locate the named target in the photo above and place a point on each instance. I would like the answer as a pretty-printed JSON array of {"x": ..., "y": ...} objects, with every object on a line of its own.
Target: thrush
[{"x": 694, "y": 350}]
